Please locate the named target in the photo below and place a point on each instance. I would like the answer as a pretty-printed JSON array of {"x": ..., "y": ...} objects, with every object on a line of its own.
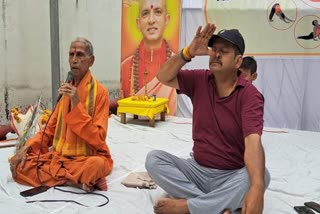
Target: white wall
[
  {"x": 100, "y": 22},
  {"x": 25, "y": 57},
  {"x": 24, "y": 53}
]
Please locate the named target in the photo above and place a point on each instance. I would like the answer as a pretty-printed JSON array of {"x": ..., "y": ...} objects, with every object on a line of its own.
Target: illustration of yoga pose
[
  {"x": 276, "y": 9},
  {"x": 314, "y": 34}
]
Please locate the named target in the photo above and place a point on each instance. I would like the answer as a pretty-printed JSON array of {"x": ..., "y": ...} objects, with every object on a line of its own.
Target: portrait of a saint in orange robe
[{"x": 147, "y": 43}]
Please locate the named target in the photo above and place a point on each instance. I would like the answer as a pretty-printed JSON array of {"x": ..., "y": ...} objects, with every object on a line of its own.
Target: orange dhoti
[{"x": 55, "y": 169}]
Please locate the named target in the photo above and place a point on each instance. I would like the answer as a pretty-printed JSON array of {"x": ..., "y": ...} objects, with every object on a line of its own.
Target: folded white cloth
[{"x": 140, "y": 180}]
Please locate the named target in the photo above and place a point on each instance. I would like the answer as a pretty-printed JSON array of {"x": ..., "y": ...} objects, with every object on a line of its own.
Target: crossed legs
[{"x": 195, "y": 189}]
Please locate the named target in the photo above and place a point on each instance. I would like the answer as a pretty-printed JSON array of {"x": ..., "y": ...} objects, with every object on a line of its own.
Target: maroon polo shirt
[{"x": 221, "y": 124}]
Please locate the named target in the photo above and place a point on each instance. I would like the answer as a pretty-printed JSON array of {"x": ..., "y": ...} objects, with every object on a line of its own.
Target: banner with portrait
[{"x": 149, "y": 36}]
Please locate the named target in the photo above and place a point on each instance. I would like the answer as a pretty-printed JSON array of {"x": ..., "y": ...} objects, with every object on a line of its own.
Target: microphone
[{"x": 68, "y": 79}]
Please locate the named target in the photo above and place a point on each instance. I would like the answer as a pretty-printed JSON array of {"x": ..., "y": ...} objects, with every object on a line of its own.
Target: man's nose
[
  {"x": 74, "y": 59},
  {"x": 151, "y": 18},
  {"x": 217, "y": 54}
]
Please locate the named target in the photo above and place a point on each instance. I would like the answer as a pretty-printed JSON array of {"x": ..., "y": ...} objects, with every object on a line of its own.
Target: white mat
[{"x": 292, "y": 159}]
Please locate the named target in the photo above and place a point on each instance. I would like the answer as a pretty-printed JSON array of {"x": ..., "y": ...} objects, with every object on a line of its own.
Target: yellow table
[{"x": 148, "y": 108}]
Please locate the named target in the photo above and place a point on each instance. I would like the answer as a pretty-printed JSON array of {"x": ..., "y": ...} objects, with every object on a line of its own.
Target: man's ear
[
  {"x": 138, "y": 24},
  {"x": 167, "y": 19},
  {"x": 92, "y": 58},
  {"x": 254, "y": 76},
  {"x": 239, "y": 60}
]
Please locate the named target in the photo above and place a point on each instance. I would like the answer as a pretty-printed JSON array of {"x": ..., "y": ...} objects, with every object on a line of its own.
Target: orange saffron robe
[
  {"x": 58, "y": 168},
  {"x": 149, "y": 61}
]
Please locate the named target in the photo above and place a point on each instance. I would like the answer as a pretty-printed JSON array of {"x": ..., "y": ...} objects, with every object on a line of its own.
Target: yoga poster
[{"x": 270, "y": 27}]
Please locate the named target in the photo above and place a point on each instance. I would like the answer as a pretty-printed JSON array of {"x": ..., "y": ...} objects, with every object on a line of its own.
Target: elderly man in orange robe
[
  {"x": 141, "y": 68},
  {"x": 73, "y": 149}
]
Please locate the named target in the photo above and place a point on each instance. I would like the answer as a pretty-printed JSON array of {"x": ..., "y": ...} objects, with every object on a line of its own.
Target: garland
[{"x": 136, "y": 60}]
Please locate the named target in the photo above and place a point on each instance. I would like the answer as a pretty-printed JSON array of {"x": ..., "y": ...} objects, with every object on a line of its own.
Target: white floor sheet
[{"x": 292, "y": 158}]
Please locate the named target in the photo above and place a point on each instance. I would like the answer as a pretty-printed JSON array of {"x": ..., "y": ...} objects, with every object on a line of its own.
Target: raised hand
[{"x": 199, "y": 44}]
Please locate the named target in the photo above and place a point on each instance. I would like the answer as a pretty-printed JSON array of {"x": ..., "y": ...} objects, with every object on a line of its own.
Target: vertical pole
[{"x": 55, "y": 51}]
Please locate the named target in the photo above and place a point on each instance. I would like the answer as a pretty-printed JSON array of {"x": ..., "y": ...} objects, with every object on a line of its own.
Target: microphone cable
[{"x": 73, "y": 201}]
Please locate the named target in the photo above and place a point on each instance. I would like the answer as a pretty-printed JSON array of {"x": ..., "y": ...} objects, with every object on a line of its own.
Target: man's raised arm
[
  {"x": 169, "y": 70},
  {"x": 198, "y": 47}
]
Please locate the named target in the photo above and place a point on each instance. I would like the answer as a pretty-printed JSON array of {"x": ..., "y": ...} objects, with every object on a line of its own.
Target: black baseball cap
[{"x": 232, "y": 35}]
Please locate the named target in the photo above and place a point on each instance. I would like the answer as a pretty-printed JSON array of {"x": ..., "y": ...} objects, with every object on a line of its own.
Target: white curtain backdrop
[{"x": 289, "y": 84}]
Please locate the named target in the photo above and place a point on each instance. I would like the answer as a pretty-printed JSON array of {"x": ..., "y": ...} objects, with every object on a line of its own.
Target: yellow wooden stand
[{"x": 148, "y": 108}]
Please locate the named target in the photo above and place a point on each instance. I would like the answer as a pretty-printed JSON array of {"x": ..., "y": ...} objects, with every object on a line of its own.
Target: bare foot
[
  {"x": 102, "y": 184},
  {"x": 171, "y": 206},
  {"x": 80, "y": 186},
  {"x": 227, "y": 212},
  {"x": 86, "y": 188}
]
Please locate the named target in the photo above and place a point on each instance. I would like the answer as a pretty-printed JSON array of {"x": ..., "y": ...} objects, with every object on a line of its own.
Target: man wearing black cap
[{"x": 227, "y": 169}]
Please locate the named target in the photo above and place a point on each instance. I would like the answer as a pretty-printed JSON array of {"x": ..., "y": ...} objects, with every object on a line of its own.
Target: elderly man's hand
[
  {"x": 199, "y": 45},
  {"x": 17, "y": 159},
  {"x": 70, "y": 91}
]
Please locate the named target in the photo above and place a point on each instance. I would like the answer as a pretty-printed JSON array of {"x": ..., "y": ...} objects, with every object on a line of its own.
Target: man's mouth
[
  {"x": 216, "y": 62},
  {"x": 152, "y": 30}
]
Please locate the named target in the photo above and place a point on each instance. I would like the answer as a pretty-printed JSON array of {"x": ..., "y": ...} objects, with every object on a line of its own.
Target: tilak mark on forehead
[{"x": 151, "y": 6}]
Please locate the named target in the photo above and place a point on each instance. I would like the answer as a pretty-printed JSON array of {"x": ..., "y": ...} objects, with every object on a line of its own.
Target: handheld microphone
[{"x": 68, "y": 79}]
